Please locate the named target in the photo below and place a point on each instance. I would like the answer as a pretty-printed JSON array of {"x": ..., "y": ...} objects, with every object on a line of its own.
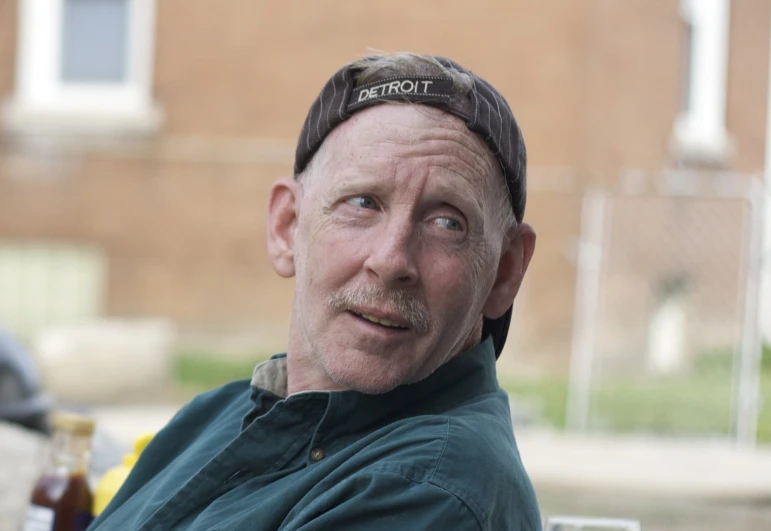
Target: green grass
[
  {"x": 696, "y": 403},
  {"x": 199, "y": 371},
  {"x": 545, "y": 397},
  {"x": 672, "y": 405}
]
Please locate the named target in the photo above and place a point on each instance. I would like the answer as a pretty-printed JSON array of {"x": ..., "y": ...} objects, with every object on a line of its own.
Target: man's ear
[
  {"x": 511, "y": 270},
  {"x": 283, "y": 210}
]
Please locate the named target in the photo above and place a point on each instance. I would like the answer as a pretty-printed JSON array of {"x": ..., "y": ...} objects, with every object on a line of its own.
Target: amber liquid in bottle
[
  {"x": 68, "y": 496},
  {"x": 61, "y": 499}
]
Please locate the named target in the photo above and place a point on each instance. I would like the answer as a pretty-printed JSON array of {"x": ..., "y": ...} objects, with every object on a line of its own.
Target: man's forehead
[{"x": 413, "y": 127}]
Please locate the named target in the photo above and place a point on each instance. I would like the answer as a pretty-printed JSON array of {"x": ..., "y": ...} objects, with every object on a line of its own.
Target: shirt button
[{"x": 317, "y": 454}]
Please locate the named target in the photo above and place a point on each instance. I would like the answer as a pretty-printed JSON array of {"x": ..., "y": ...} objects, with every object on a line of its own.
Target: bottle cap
[{"x": 74, "y": 423}]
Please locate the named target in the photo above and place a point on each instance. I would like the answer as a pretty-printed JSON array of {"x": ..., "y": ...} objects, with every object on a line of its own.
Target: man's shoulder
[
  {"x": 198, "y": 418},
  {"x": 480, "y": 428},
  {"x": 470, "y": 452},
  {"x": 208, "y": 421},
  {"x": 481, "y": 465}
]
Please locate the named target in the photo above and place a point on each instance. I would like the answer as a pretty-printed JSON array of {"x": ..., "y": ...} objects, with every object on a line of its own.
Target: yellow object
[{"x": 113, "y": 479}]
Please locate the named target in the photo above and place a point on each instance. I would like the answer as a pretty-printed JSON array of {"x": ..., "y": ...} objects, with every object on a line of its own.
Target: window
[
  {"x": 83, "y": 66},
  {"x": 700, "y": 133},
  {"x": 94, "y": 37},
  {"x": 44, "y": 284}
]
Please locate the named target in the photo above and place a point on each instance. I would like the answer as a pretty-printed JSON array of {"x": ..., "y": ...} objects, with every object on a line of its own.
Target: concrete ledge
[
  {"x": 688, "y": 467},
  {"x": 102, "y": 361}
]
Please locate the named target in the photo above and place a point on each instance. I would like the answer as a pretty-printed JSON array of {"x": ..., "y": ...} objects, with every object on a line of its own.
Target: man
[{"x": 403, "y": 229}]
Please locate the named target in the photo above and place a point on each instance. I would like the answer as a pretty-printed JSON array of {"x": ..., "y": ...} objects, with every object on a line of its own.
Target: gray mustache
[{"x": 412, "y": 310}]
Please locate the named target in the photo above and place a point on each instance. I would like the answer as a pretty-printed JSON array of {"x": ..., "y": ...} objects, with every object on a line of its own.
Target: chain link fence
[{"x": 641, "y": 314}]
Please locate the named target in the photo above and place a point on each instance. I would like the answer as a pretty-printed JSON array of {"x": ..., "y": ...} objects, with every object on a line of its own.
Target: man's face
[{"x": 395, "y": 248}]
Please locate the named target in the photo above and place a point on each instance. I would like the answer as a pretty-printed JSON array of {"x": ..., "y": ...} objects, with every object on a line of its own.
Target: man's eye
[
  {"x": 362, "y": 201},
  {"x": 449, "y": 224}
]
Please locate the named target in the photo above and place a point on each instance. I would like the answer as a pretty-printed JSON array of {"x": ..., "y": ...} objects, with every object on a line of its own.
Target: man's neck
[
  {"x": 304, "y": 373},
  {"x": 303, "y": 376}
]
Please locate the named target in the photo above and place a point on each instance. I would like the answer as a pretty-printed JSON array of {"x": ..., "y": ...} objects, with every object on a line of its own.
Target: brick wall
[{"x": 594, "y": 83}]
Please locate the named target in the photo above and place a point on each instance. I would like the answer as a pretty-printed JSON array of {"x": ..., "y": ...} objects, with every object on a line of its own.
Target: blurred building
[{"x": 140, "y": 137}]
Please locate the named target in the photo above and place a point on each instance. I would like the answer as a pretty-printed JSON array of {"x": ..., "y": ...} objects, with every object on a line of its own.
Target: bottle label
[
  {"x": 82, "y": 521},
  {"x": 39, "y": 518}
]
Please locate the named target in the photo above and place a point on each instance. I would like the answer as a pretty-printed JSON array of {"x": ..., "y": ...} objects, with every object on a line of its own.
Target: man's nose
[{"x": 392, "y": 255}]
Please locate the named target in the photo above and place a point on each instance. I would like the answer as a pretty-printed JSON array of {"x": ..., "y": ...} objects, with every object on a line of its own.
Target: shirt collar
[
  {"x": 270, "y": 375},
  {"x": 467, "y": 375}
]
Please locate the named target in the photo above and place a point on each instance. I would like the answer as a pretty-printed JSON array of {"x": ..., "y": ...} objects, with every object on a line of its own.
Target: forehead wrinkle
[
  {"x": 358, "y": 141},
  {"x": 418, "y": 136},
  {"x": 414, "y": 126},
  {"x": 454, "y": 159},
  {"x": 464, "y": 146}
]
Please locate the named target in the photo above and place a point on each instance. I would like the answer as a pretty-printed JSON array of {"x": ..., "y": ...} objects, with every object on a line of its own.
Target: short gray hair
[
  {"x": 397, "y": 64},
  {"x": 383, "y": 65}
]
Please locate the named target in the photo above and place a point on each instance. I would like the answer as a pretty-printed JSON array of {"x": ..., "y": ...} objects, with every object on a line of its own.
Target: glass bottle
[{"x": 61, "y": 499}]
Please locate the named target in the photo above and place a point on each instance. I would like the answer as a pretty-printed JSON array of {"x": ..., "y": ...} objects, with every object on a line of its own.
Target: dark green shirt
[{"x": 438, "y": 454}]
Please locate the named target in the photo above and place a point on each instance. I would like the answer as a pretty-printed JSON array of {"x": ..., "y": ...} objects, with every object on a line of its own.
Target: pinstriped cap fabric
[{"x": 483, "y": 109}]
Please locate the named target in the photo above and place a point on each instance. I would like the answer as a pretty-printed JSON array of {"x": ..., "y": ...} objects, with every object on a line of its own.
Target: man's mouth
[{"x": 380, "y": 321}]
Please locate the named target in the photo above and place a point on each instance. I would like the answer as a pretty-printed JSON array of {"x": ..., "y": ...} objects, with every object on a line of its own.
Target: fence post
[
  {"x": 765, "y": 257},
  {"x": 589, "y": 270},
  {"x": 758, "y": 296},
  {"x": 748, "y": 388}
]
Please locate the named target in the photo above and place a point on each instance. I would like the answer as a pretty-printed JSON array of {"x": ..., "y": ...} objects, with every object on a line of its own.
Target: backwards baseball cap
[{"x": 483, "y": 109}]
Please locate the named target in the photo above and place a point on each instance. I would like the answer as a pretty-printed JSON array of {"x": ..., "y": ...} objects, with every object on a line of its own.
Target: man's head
[{"x": 402, "y": 225}]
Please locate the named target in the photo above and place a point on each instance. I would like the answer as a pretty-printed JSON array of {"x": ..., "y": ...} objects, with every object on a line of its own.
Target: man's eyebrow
[
  {"x": 464, "y": 199},
  {"x": 350, "y": 181},
  {"x": 371, "y": 179}
]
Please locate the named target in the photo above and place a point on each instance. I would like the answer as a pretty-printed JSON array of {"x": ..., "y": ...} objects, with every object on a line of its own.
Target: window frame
[
  {"x": 43, "y": 102},
  {"x": 700, "y": 132}
]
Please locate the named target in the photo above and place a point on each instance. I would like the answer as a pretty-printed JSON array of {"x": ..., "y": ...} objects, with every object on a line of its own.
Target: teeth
[{"x": 384, "y": 322}]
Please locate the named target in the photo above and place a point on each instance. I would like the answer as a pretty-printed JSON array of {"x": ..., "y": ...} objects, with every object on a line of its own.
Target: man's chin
[
  {"x": 371, "y": 388},
  {"x": 363, "y": 376}
]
